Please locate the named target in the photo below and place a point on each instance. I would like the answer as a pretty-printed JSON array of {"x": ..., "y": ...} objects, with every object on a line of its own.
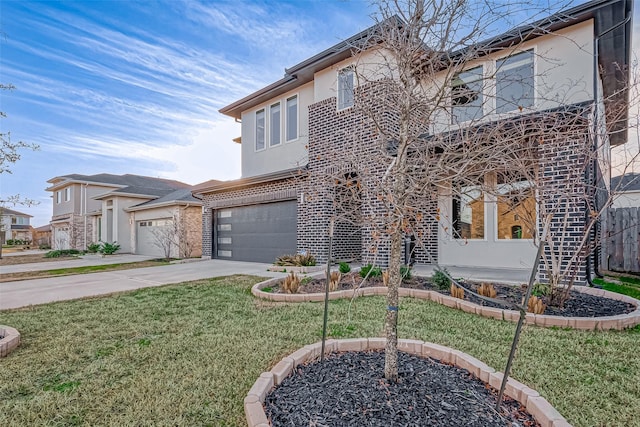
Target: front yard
[{"x": 187, "y": 354}]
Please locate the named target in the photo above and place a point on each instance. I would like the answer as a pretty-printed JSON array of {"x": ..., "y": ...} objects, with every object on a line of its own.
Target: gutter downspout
[{"x": 590, "y": 172}]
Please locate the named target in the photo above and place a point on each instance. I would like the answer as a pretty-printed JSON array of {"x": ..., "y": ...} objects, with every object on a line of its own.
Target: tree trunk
[{"x": 391, "y": 320}]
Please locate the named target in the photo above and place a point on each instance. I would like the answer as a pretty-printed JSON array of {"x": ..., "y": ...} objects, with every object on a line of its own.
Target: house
[
  {"x": 132, "y": 210},
  {"x": 42, "y": 236},
  {"x": 626, "y": 190},
  {"x": 282, "y": 203},
  {"x": 14, "y": 225}
]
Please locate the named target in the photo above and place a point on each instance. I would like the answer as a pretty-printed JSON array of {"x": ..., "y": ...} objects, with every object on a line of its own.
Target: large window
[
  {"x": 345, "y": 88},
  {"x": 292, "y": 118},
  {"x": 274, "y": 125},
  {"x": 58, "y": 196},
  {"x": 260, "y": 130},
  {"x": 515, "y": 82},
  {"x": 466, "y": 96},
  {"x": 67, "y": 194},
  {"x": 516, "y": 207},
  {"x": 468, "y": 211}
]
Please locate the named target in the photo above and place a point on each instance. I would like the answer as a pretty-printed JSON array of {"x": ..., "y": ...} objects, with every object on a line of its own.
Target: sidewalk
[
  {"x": 479, "y": 274},
  {"x": 71, "y": 262},
  {"x": 39, "y": 291}
]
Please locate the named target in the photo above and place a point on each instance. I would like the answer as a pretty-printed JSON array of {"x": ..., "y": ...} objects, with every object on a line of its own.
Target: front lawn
[{"x": 187, "y": 355}]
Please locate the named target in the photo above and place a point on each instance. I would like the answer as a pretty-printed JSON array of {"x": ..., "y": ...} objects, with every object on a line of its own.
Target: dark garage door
[{"x": 258, "y": 233}]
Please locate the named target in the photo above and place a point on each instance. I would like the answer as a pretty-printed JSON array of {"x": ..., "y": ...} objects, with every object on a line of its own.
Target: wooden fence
[{"x": 621, "y": 240}]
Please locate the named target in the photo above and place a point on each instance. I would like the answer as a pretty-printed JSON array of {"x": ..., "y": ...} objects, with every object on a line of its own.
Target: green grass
[
  {"x": 186, "y": 355},
  {"x": 628, "y": 287}
]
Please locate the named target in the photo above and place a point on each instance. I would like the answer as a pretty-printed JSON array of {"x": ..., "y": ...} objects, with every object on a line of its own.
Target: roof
[
  {"x": 126, "y": 180},
  {"x": 43, "y": 228},
  {"x": 614, "y": 59},
  {"x": 7, "y": 211},
  {"x": 627, "y": 182},
  {"x": 213, "y": 186},
  {"x": 182, "y": 196}
]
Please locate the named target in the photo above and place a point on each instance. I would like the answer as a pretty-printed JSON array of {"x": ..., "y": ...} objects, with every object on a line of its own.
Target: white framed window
[
  {"x": 515, "y": 82},
  {"x": 67, "y": 194},
  {"x": 274, "y": 125},
  {"x": 260, "y": 130},
  {"x": 345, "y": 88},
  {"x": 516, "y": 209},
  {"x": 292, "y": 118},
  {"x": 466, "y": 95},
  {"x": 58, "y": 196},
  {"x": 468, "y": 211}
]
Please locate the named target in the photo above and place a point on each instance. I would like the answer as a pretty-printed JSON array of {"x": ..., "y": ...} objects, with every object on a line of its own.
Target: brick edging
[
  {"x": 9, "y": 341},
  {"x": 619, "y": 322},
  {"x": 536, "y": 405}
]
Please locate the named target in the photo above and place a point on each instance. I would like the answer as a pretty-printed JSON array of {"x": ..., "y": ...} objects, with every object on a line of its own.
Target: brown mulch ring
[
  {"x": 349, "y": 389},
  {"x": 578, "y": 305}
]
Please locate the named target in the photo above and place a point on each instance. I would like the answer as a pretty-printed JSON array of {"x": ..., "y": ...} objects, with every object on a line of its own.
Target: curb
[
  {"x": 536, "y": 405},
  {"x": 10, "y": 339},
  {"x": 619, "y": 322}
]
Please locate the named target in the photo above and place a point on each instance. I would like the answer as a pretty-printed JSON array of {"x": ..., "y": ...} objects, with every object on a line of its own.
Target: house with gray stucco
[
  {"x": 131, "y": 210},
  {"x": 290, "y": 125}
]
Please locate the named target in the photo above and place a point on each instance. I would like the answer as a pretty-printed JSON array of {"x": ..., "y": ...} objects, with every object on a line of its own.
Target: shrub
[
  {"x": 93, "y": 247},
  {"x": 456, "y": 291},
  {"x": 299, "y": 260},
  {"x": 61, "y": 253},
  {"x": 44, "y": 246},
  {"x": 541, "y": 290},
  {"x": 371, "y": 271},
  {"x": 109, "y": 248},
  {"x": 535, "y": 305},
  {"x": 344, "y": 268},
  {"x": 53, "y": 254},
  {"x": 385, "y": 277},
  {"x": 334, "y": 280},
  {"x": 441, "y": 279},
  {"x": 291, "y": 283},
  {"x": 487, "y": 290}
]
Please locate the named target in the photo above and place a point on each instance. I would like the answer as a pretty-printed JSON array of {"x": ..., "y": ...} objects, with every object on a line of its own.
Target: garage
[
  {"x": 151, "y": 238},
  {"x": 61, "y": 238},
  {"x": 258, "y": 233}
]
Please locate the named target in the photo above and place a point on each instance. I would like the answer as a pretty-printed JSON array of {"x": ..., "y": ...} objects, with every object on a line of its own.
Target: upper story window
[
  {"x": 260, "y": 130},
  {"x": 58, "y": 196},
  {"x": 67, "y": 194},
  {"x": 466, "y": 96},
  {"x": 514, "y": 82},
  {"x": 274, "y": 125},
  {"x": 292, "y": 118},
  {"x": 345, "y": 88}
]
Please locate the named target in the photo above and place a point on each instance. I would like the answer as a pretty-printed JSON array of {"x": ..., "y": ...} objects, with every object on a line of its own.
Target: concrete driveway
[{"x": 39, "y": 291}]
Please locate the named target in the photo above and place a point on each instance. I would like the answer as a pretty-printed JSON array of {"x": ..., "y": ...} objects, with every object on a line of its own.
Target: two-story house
[
  {"x": 127, "y": 209},
  {"x": 15, "y": 225},
  {"x": 289, "y": 126}
]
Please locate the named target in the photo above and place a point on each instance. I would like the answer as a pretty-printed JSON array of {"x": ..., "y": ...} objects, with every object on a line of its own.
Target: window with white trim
[
  {"x": 516, "y": 206},
  {"x": 292, "y": 118},
  {"x": 468, "y": 211},
  {"x": 67, "y": 194},
  {"x": 345, "y": 88},
  {"x": 466, "y": 96},
  {"x": 58, "y": 196},
  {"x": 260, "y": 130},
  {"x": 515, "y": 82},
  {"x": 274, "y": 125}
]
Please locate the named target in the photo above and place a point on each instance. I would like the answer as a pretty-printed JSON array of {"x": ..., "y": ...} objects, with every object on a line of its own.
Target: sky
[{"x": 135, "y": 86}]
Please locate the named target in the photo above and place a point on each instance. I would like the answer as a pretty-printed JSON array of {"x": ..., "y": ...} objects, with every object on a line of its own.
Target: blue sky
[{"x": 135, "y": 86}]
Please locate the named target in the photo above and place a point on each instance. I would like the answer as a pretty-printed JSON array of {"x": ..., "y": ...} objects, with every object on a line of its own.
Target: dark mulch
[
  {"x": 349, "y": 389},
  {"x": 578, "y": 305}
]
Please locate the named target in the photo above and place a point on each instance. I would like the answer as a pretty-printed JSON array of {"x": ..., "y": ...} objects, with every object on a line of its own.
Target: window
[
  {"x": 466, "y": 96},
  {"x": 58, "y": 196},
  {"x": 514, "y": 82},
  {"x": 274, "y": 125},
  {"x": 468, "y": 212},
  {"x": 260, "y": 130},
  {"x": 67, "y": 194},
  {"x": 14, "y": 220},
  {"x": 345, "y": 88},
  {"x": 516, "y": 207},
  {"x": 292, "y": 118}
]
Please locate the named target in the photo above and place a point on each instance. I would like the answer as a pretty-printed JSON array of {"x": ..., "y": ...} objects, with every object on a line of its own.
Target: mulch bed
[
  {"x": 349, "y": 389},
  {"x": 578, "y": 305}
]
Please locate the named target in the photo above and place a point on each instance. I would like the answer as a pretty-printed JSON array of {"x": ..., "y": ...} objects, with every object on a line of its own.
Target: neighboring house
[
  {"x": 626, "y": 190},
  {"x": 290, "y": 125},
  {"x": 131, "y": 210},
  {"x": 42, "y": 236},
  {"x": 14, "y": 225}
]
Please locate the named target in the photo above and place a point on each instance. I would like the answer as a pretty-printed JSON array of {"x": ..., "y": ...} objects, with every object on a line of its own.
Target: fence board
[{"x": 621, "y": 239}]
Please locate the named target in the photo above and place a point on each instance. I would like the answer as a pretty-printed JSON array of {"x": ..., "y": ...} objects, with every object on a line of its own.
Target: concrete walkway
[
  {"x": 71, "y": 262},
  {"x": 39, "y": 291}
]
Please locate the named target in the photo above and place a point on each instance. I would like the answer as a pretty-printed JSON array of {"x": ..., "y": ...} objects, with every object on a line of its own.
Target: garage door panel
[{"x": 257, "y": 233}]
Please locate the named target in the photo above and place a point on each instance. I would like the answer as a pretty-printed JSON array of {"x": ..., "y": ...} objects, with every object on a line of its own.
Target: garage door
[
  {"x": 258, "y": 233},
  {"x": 61, "y": 238},
  {"x": 151, "y": 239}
]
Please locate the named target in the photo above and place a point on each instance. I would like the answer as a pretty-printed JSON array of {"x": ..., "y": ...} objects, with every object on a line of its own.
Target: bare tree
[{"x": 429, "y": 124}]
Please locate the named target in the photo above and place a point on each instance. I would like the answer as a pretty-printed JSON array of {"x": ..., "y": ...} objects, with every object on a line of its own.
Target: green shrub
[
  {"x": 344, "y": 268},
  {"x": 441, "y": 280},
  {"x": 405, "y": 272},
  {"x": 541, "y": 290},
  {"x": 61, "y": 253},
  {"x": 44, "y": 247},
  {"x": 299, "y": 260},
  {"x": 109, "y": 248},
  {"x": 93, "y": 247},
  {"x": 371, "y": 271}
]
